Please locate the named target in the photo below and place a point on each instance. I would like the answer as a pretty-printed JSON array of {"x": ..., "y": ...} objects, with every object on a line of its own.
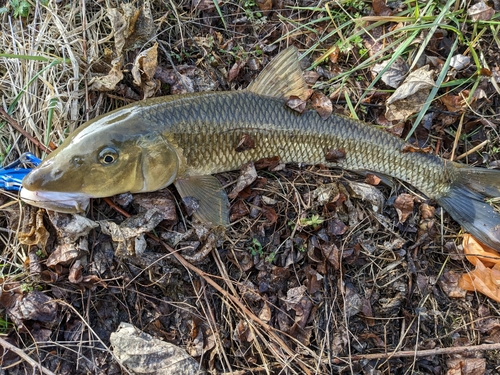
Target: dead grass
[{"x": 274, "y": 295}]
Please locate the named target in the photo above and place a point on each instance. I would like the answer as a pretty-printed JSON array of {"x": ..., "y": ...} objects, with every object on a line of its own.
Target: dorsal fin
[{"x": 281, "y": 78}]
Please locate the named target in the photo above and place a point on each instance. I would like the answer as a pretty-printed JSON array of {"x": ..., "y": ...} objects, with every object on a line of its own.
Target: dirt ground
[{"x": 322, "y": 271}]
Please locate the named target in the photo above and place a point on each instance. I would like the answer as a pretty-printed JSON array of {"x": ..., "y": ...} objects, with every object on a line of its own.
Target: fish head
[{"x": 102, "y": 160}]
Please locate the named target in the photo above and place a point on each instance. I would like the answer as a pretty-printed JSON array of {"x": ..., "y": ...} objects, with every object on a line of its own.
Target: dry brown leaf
[
  {"x": 128, "y": 237},
  {"x": 426, "y": 211},
  {"x": 269, "y": 163},
  {"x": 411, "y": 148},
  {"x": 380, "y": 8},
  {"x": 121, "y": 26},
  {"x": 242, "y": 259},
  {"x": 485, "y": 278},
  {"x": 314, "y": 280},
  {"x": 195, "y": 347},
  {"x": 11, "y": 293},
  {"x": 70, "y": 227},
  {"x": 334, "y": 54},
  {"x": 109, "y": 81},
  {"x": 366, "y": 310},
  {"x": 191, "y": 205},
  {"x": 297, "y": 104},
  {"x": 404, "y": 206},
  {"x": 246, "y": 143},
  {"x": 454, "y": 103},
  {"x": 144, "y": 69},
  {"x": 411, "y": 95},
  {"x": 265, "y": 313},
  {"x": 367, "y": 193},
  {"x": 208, "y": 246},
  {"x": 235, "y": 70},
  {"x": 336, "y": 227},
  {"x": 480, "y": 12},
  {"x": 322, "y": 104},
  {"x": 377, "y": 340},
  {"x": 66, "y": 253},
  {"x": 75, "y": 273},
  {"x": 247, "y": 176},
  {"x": 162, "y": 200},
  {"x": 297, "y": 300},
  {"x": 294, "y": 296},
  {"x": 181, "y": 80},
  {"x": 131, "y": 26},
  {"x": 334, "y": 155},
  {"x": 449, "y": 282},
  {"x": 475, "y": 250},
  {"x": 311, "y": 77},
  {"x": 270, "y": 214},
  {"x": 37, "y": 235},
  {"x": 238, "y": 210},
  {"x": 466, "y": 366},
  {"x": 265, "y": 5},
  {"x": 485, "y": 72},
  {"x": 325, "y": 194},
  {"x": 249, "y": 291},
  {"x": 33, "y": 306},
  {"x": 372, "y": 179},
  {"x": 394, "y": 75},
  {"x": 332, "y": 254},
  {"x": 352, "y": 301},
  {"x": 243, "y": 332}
]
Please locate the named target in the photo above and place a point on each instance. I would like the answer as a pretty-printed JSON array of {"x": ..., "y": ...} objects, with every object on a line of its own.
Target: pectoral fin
[{"x": 211, "y": 197}]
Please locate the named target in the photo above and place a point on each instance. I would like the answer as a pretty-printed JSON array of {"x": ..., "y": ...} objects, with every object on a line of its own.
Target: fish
[{"x": 185, "y": 139}]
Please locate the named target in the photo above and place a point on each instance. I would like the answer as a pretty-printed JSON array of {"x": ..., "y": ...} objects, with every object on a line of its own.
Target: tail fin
[{"x": 466, "y": 203}]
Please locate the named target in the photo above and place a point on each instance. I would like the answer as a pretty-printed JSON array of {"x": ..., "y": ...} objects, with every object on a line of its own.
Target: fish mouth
[{"x": 70, "y": 203}]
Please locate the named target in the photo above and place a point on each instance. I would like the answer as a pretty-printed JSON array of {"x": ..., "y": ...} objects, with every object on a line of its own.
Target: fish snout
[
  {"x": 31, "y": 181},
  {"x": 40, "y": 177}
]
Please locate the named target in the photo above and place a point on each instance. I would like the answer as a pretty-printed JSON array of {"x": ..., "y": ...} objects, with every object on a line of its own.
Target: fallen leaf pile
[{"x": 132, "y": 27}]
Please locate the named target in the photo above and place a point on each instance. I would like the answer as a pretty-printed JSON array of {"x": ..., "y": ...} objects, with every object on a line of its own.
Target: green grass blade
[{"x": 434, "y": 90}]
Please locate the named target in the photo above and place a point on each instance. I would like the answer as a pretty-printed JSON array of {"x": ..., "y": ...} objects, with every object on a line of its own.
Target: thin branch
[
  {"x": 8, "y": 346},
  {"x": 472, "y": 150},
  {"x": 421, "y": 353},
  {"x": 16, "y": 126}
]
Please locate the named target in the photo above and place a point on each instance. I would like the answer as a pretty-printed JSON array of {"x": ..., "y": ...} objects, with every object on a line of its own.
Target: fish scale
[{"x": 218, "y": 121}]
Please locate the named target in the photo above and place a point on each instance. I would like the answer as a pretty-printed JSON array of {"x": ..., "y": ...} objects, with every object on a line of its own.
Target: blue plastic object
[{"x": 11, "y": 176}]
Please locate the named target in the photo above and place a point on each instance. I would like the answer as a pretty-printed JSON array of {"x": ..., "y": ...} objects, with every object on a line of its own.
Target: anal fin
[{"x": 211, "y": 197}]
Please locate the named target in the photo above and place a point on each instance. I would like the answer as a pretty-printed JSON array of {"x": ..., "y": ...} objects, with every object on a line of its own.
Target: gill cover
[{"x": 160, "y": 162}]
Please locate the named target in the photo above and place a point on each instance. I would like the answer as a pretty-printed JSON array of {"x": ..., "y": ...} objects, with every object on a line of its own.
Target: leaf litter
[
  {"x": 320, "y": 259},
  {"x": 411, "y": 95}
]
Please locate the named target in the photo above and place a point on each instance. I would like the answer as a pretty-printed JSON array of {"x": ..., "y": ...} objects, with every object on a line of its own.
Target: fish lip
[{"x": 71, "y": 203}]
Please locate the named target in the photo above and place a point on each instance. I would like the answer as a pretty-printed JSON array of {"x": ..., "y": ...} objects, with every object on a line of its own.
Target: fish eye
[{"x": 108, "y": 156}]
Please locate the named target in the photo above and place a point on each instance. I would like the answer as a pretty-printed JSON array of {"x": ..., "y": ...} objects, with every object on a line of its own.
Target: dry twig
[
  {"x": 8, "y": 346},
  {"x": 16, "y": 126},
  {"x": 421, "y": 353}
]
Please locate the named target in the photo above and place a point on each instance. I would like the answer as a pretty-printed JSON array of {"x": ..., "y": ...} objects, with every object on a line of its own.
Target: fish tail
[{"x": 467, "y": 202}]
